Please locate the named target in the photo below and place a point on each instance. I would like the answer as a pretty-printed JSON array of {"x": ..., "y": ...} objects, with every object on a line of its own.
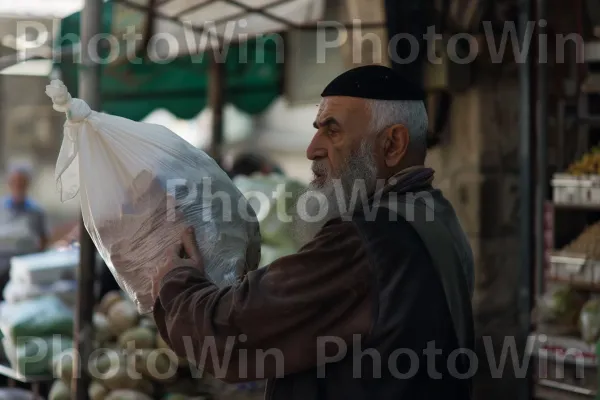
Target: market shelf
[
  {"x": 589, "y": 287},
  {"x": 577, "y": 206},
  {"x": 550, "y": 390}
]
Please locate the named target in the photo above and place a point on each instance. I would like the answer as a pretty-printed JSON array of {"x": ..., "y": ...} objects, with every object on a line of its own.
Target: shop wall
[{"x": 477, "y": 169}]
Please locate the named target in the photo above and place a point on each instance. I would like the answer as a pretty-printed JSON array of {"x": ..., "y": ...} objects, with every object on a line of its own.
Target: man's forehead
[{"x": 342, "y": 107}]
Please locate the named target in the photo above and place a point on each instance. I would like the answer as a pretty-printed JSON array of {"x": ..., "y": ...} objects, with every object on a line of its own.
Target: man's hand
[{"x": 191, "y": 258}]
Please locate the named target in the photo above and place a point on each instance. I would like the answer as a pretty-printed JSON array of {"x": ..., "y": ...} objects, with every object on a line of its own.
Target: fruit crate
[
  {"x": 574, "y": 269},
  {"x": 576, "y": 190}
]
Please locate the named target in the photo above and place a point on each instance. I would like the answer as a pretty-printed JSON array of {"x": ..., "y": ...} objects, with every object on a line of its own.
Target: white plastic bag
[{"x": 131, "y": 178}]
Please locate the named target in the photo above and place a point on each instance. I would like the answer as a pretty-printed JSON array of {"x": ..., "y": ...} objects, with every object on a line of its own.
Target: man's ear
[{"x": 395, "y": 145}]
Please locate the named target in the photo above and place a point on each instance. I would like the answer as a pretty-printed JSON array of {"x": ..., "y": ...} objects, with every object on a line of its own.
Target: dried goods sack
[{"x": 139, "y": 185}]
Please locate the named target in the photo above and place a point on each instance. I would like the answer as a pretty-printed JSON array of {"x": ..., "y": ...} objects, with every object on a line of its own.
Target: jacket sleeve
[{"x": 280, "y": 319}]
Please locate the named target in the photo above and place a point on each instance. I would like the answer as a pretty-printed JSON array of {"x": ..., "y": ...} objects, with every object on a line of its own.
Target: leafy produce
[
  {"x": 33, "y": 355},
  {"x": 271, "y": 253},
  {"x": 273, "y": 198},
  {"x": 38, "y": 317},
  {"x": 589, "y": 320},
  {"x": 589, "y": 164},
  {"x": 560, "y": 306}
]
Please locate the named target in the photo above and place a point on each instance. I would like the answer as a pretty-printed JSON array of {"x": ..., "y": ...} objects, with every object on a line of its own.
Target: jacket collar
[{"x": 409, "y": 180}]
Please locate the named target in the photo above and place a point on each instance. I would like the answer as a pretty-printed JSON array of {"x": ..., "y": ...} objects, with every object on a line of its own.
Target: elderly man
[{"x": 377, "y": 304}]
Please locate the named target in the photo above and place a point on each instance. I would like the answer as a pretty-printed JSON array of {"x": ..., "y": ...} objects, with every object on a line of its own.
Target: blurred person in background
[
  {"x": 23, "y": 227},
  {"x": 248, "y": 164}
]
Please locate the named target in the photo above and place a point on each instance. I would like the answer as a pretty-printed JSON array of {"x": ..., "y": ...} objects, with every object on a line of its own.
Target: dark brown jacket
[{"x": 364, "y": 297}]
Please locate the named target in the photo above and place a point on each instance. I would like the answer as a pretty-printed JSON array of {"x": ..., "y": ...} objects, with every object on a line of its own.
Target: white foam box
[{"x": 45, "y": 268}]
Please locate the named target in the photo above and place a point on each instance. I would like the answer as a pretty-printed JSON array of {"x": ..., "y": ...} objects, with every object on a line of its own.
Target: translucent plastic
[{"x": 140, "y": 184}]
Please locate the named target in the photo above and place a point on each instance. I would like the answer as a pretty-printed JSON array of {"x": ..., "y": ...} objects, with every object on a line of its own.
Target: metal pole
[
  {"x": 541, "y": 150},
  {"x": 217, "y": 101},
  {"x": 89, "y": 91},
  {"x": 408, "y": 17},
  {"x": 525, "y": 182}
]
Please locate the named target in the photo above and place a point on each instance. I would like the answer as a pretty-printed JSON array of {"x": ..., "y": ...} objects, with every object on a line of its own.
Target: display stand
[{"x": 566, "y": 367}]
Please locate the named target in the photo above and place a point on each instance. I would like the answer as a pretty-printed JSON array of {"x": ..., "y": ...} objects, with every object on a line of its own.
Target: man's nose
[{"x": 315, "y": 150}]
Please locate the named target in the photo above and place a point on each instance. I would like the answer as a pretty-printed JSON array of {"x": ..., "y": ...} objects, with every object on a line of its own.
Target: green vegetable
[
  {"x": 41, "y": 317},
  {"x": 268, "y": 254},
  {"x": 33, "y": 356},
  {"x": 59, "y": 391},
  {"x": 589, "y": 321},
  {"x": 273, "y": 217}
]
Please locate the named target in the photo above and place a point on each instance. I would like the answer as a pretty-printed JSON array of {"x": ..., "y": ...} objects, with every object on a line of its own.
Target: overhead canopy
[{"x": 166, "y": 66}]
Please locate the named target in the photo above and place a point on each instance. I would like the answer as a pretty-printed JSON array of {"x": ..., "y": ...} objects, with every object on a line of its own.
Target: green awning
[{"x": 134, "y": 90}]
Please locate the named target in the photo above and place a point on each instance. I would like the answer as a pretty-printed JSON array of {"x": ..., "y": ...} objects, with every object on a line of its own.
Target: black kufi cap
[{"x": 375, "y": 82}]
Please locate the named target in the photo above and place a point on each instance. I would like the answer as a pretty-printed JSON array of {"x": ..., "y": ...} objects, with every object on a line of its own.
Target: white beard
[{"x": 334, "y": 198}]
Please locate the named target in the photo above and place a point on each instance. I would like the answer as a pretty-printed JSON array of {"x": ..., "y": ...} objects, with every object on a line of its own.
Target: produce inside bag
[{"x": 140, "y": 185}]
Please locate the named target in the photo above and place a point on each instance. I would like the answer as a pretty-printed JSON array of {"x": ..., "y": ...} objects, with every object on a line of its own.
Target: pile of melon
[{"x": 130, "y": 360}]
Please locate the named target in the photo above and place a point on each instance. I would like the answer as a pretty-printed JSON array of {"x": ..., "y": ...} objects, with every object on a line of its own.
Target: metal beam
[
  {"x": 217, "y": 102},
  {"x": 541, "y": 191},
  {"x": 89, "y": 91},
  {"x": 525, "y": 184}
]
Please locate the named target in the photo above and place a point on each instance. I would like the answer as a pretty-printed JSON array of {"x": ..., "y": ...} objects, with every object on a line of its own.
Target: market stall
[{"x": 567, "y": 312}]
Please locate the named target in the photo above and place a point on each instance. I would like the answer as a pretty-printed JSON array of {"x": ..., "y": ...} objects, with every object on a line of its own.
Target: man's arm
[{"x": 280, "y": 311}]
